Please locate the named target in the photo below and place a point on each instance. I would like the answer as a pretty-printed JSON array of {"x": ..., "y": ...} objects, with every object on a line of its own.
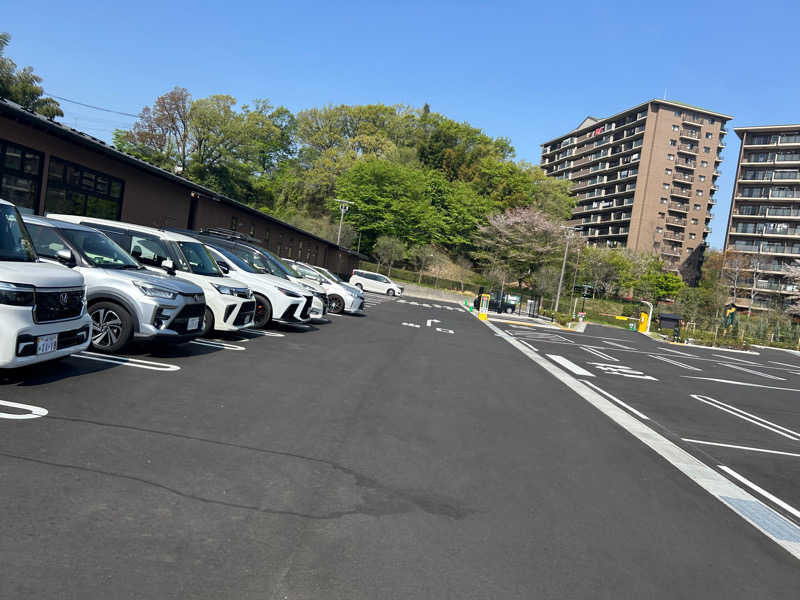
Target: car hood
[
  {"x": 175, "y": 284},
  {"x": 312, "y": 284},
  {"x": 254, "y": 279},
  {"x": 352, "y": 289},
  {"x": 39, "y": 274}
]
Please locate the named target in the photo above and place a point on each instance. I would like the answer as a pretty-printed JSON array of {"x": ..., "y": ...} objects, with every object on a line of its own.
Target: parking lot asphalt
[{"x": 408, "y": 453}]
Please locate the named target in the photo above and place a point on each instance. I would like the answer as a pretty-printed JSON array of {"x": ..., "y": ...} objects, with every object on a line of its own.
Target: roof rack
[{"x": 229, "y": 234}]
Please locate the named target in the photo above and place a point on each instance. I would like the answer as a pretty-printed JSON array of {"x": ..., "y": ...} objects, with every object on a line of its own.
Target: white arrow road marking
[
  {"x": 34, "y": 412},
  {"x": 739, "y": 368},
  {"x": 222, "y": 345},
  {"x": 564, "y": 362},
  {"x": 617, "y": 400},
  {"x": 599, "y": 354},
  {"x": 428, "y": 324},
  {"x": 774, "y": 499},
  {"x": 624, "y": 347},
  {"x": 674, "y": 362},
  {"x": 440, "y": 330},
  {"x": 735, "y": 447},
  {"x": 411, "y": 325},
  {"x": 749, "y": 417},
  {"x": 265, "y": 333},
  {"x": 128, "y": 362}
]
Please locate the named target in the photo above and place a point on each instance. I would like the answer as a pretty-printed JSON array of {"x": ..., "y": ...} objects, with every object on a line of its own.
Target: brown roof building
[
  {"x": 644, "y": 178},
  {"x": 48, "y": 167},
  {"x": 763, "y": 235}
]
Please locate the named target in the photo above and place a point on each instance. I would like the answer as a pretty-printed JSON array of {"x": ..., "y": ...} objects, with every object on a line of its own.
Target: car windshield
[
  {"x": 328, "y": 274},
  {"x": 99, "y": 250},
  {"x": 257, "y": 261},
  {"x": 305, "y": 271},
  {"x": 200, "y": 261},
  {"x": 232, "y": 258},
  {"x": 15, "y": 243},
  {"x": 287, "y": 270}
]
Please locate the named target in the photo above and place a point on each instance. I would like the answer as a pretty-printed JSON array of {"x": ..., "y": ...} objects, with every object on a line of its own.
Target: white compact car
[
  {"x": 375, "y": 282},
  {"x": 340, "y": 298},
  {"x": 229, "y": 303},
  {"x": 42, "y": 305},
  {"x": 276, "y": 298}
]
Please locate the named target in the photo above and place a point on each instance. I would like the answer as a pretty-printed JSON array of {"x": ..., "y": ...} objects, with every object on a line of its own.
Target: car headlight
[
  {"x": 16, "y": 294},
  {"x": 155, "y": 292},
  {"x": 226, "y": 290},
  {"x": 289, "y": 293}
]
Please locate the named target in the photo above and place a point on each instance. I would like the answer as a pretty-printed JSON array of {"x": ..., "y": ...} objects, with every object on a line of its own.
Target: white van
[
  {"x": 229, "y": 303},
  {"x": 42, "y": 306},
  {"x": 370, "y": 281}
]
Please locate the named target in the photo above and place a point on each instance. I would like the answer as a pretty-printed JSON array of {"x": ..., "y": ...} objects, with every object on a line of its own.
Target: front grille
[
  {"x": 181, "y": 321},
  {"x": 74, "y": 337},
  {"x": 243, "y": 294},
  {"x": 58, "y": 305},
  {"x": 194, "y": 297},
  {"x": 245, "y": 313},
  {"x": 306, "y": 308}
]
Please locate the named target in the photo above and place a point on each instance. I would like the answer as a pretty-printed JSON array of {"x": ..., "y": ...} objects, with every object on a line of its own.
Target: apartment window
[
  {"x": 790, "y": 138},
  {"x": 665, "y": 186},
  {"x": 706, "y": 149},
  {"x": 670, "y": 157},
  {"x": 20, "y": 176},
  {"x": 668, "y": 171},
  {"x": 235, "y": 223},
  {"x": 694, "y": 221},
  {"x": 702, "y": 178},
  {"x": 77, "y": 190},
  {"x": 762, "y": 139},
  {"x": 711, "y": 120},
  {"x": 659, "y": 229},
  {"x": 673, "y": 142},
  {"x": 703, "y": 163},
  {"x": 675, "y": 128},
  {"x": 677, "y": 113},
  {"x": 708, "y": 135},
  {"x": 661, "y": 215},
  {"x": 698, "y": 192},
  {"x": 692, "y": 236},
  {"x": 663, "y": 200},
  {"x": 697, "y": 207},
  {"x": 689, "y": 250}
]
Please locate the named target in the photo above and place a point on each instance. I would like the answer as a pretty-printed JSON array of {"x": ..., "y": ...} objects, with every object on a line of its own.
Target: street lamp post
[
  {"x": 344, "y": 206},
  {"x": 567, "y": 231}
]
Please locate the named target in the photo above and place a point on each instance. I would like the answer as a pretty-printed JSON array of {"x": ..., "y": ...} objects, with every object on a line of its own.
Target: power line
[{"x": 108, "y": 110}]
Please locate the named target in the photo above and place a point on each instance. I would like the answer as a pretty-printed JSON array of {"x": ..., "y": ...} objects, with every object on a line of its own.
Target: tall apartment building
[
  {"x": 644, "y": 178},
  {"x": 764, "y": 224}
]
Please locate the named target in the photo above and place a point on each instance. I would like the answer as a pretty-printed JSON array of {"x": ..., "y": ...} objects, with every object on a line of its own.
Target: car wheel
[
  {"x": 390, "y": 292},
  {"x": 208, "y": 322},
  {"x": 112, "y": 326},
  {"x": 359, "y": 286},
  {"x": 263, "y": 314},
  {"x": 509, "y": 310},
  {"x": 335, "y": 304}
]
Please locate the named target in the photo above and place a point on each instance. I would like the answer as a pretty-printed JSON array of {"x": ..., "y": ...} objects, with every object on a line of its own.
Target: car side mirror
[
  {"x": 64, "y": 256},
  {"x": 224, "y": 267},
  {"x": 168, "y": 265}
]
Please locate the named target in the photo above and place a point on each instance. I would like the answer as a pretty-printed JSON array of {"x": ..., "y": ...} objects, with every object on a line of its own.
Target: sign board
[{"x": 483, "y": 313}]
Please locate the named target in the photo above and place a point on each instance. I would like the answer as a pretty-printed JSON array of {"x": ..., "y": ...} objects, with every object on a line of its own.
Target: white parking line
[
  {"x": 775, "y": 362},
  {"x": 749, "y": 417},
  {"x": 528, "y": 345},
  {"x": 679, "y": 352},
  {"x": 741, "y": 360},
  {"x": 263, "y": 333},
  {"x": 599, "y": 354},
  {"x": 774, "y": 499},
  {"x": 624, "y": 347},
  {"x": 735, "y": 447},
  {"x": 641, "y": 415},
  {"x": 745, "y": 383},
  {"x": 570, "y": 365},
  {"x": 34, "y": 412},
  {"x": 222, "y": 345},
  {"x": 674, "y": 362},
  {"x": 746, "y": 370},
  {"x": 128, "y": 362}
]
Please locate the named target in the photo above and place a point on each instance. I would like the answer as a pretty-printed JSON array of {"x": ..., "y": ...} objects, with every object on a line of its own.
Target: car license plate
[
  {"x": 46, "y": 343},
  {"x": 194, "y": 323}
]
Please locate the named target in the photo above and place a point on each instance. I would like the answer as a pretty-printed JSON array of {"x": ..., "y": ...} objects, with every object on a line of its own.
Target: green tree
[
  {"x": 389, "y": 250},
  {"x": 23, "y": 86}
]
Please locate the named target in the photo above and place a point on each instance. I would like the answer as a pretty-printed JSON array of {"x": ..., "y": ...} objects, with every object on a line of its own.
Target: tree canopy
[{"x": 22, "y": 85}]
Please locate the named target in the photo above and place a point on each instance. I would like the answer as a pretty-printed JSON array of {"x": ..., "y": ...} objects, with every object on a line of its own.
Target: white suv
[
  {"x": 340, "y": 299},
  {"x": 229, "y": 304},
  {"x": 42, "y": 306},
  {"x": 375, "y": 282}
]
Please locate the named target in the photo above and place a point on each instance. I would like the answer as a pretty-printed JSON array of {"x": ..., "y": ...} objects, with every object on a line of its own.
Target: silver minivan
[{"x": 125, "y": 300}]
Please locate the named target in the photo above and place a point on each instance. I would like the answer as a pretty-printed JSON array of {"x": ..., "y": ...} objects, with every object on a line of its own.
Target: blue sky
[{"x": 528, "y": 71}]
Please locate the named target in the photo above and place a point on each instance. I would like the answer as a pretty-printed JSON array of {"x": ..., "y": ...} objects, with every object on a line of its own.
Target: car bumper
[
  {"x": 233, "y": 315},
  {"x": 354, "y": 305},
  {"x": 296, "y": 311},
  {"x": 19, "y": 335}
]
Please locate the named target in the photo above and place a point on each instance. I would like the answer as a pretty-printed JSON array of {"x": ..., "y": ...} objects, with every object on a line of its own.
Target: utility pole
[
  {"x": 567, "y": 232},
  {"x": 344, "y": 206}
]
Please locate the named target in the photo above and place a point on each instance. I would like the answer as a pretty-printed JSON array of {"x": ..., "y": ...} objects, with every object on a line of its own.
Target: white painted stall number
[
  {"x": 34, "y": 412},
  {"x": 622, "y": 370}
]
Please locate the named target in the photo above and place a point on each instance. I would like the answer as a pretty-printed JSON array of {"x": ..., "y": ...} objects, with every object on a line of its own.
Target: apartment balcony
[
  {"x": 682, "y": 177},
  {"x": 691, "y": 149},
  {"x": 676, "y": 252},
  {"x": 721, "y": 144},
  {"x": 622, "y": 231},
  {"x": 676, "y": 221},
  {"x": 790, "y": 233},
  {"x": 689, "y": 133},
  {"x": 681, "y": 192},
  {"x": 685, "y": 162},
  {"x": 716, "y": 173},
  {"x": 688, "y": 120},
  {"x": 678, "y": 207},
  {"x": 714, "y": 187},
  {"x": 723, "y": 131},
  {"x": 769, "y": 213},
  {"x": 672, "y": 235}
]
